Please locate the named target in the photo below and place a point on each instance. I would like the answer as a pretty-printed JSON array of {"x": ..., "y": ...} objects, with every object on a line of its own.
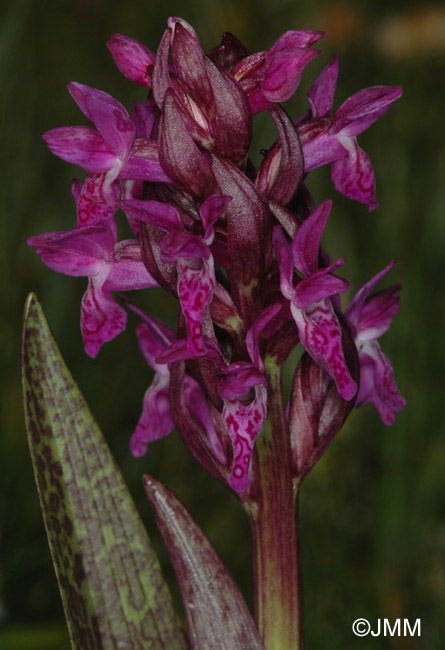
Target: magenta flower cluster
[{"x": 239, "y": 247}]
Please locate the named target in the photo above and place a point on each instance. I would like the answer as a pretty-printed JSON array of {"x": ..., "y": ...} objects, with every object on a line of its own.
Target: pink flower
[
  {"x": 156, "y": 421},
  {"x": 93, "y": 252},
  {"x": 113, "y": 148},
  {"x": 327, "y": 138},
  {"x": 318, "y": 326},
  {"x": 243, "y": 387},
  {"x": 190, "y": 253},
  {"x": 369, "y": 318}
]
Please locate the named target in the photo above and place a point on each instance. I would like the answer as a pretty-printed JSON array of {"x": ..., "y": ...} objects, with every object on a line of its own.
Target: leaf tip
[
  {"x": 152, "y": 488},
  {"x": 30, "y": 302},
  {"x": 148, "y": 482}
]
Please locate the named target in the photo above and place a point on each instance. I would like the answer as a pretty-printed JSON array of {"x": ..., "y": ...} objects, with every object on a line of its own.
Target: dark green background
[{"x": 373, "y": 511}]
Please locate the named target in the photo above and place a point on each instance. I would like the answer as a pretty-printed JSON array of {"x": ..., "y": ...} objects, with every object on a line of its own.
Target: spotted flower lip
[
  {"x": 244, "y": 419},
  {"x": 97, "y": 199},
  {"x": 370, "y": 317}
]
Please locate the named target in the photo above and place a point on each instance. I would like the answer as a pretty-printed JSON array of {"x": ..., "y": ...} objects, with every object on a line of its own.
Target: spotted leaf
[{"x": 112, "y": 588}]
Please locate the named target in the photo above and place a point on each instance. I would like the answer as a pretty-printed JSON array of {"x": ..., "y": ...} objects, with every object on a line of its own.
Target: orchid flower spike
[{"x": 239, "y": 247}]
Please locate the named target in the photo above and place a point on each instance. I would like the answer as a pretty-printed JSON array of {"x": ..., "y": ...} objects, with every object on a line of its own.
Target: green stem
[{"x": 273, "y": 520}]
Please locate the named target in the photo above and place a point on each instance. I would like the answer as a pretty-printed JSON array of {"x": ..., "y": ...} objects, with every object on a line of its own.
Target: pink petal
[
  {"x": 319, "y": 146},
  {"x": 143, "y": 117},
  {"x": 128, "y": 271},
  {"x": 294, "y": 38},
  {"x": 284, "y": 73},
  {"x": 353, "y": 175},
  {"x": 181, "y": 243},
  {"x": 306, "y": 244},
  {"x": 108, "y": 115},
  {"x": 319, "y": 285},
  {"x": 378, "y": 314},
  {"x": 133, "y": 58},
  {"x": 321, "y": 94},
  {"x": 258, "y": 102},
  {"x": 365, "y": 107},
  {"x": 156, "y": 420},
  {"x": 354, "y": 309},
  {"x": 157, "y": 214},
  {"x": 198, "y": 405},
  {"x": 210, "y": 211},
  {"x": 81, "y": 146},
  {"x": 143, "y": 163},
  {"x": 178, "y": 351},
  {"x": 82, "y": 252},
  {"x": 153, "y": 338}
]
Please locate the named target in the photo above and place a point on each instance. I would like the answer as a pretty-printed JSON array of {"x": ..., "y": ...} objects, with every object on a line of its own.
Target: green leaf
[
  {"x": 113, "y": 592},
  {"x": 216, "y": 612}
]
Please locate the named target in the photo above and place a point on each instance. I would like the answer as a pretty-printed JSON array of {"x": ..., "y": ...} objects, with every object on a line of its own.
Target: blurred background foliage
[{"x": 373, "y": 510}]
